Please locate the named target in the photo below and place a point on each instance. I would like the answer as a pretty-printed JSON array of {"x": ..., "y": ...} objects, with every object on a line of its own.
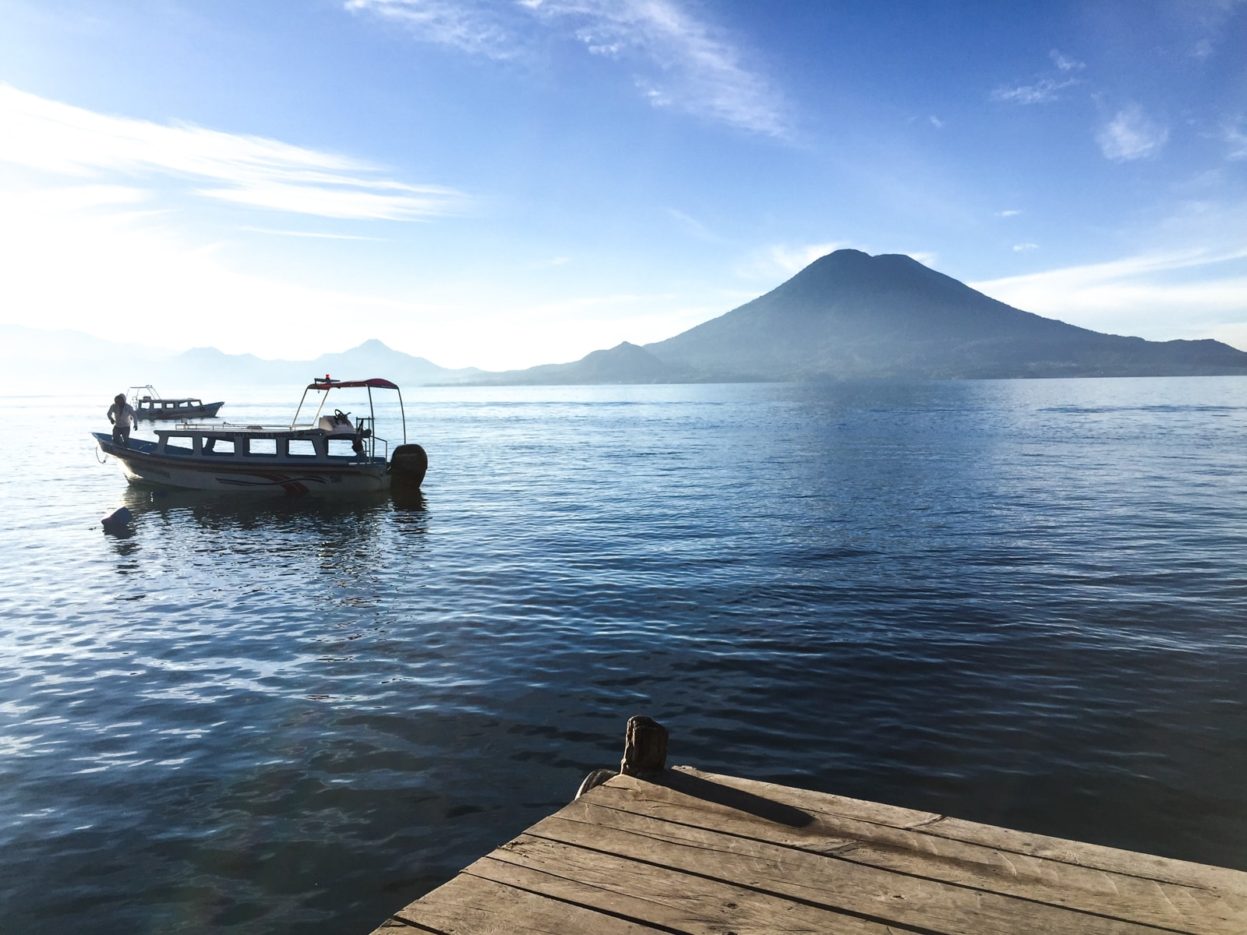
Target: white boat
[
  {"x": 330, "y": 454},
  {"x": 148, "y": 404}
]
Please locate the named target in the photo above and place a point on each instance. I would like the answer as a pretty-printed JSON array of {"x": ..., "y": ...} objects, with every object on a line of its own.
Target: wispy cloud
[
  {"x": 789, "y": 260},
  {"x": 1042, "y": 91},
  {"x": 475, "y": 26},
  {"x": 694, "y": 226},
  {"x": 1045, "y": 88},
  {"x": 1131, "y": 134},
  {"x": 1236, "y": 138},
  {"x": 60, "y": 139},
  {"x": 128, "y": 264},
  {"x": 1153, "y": 295},
  {"x": 307, "y": 235},
  {"x": 1008, "y": 213},
  {"x": 1127, "y": 268},
  {"x": 1202, "y": 23},
  {"x": 677, "y": 60},
  {"x": 1025, "y": 247},
  {"x": 1064, "y": 62},
  {"x": 553, "y": 262}
]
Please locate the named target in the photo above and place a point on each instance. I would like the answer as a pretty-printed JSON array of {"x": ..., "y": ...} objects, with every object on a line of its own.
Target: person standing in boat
[{"x": 122, "y": 415}]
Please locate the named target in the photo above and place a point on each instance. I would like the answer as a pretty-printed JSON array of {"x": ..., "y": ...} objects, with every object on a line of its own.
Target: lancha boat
[
  {"x": 148, "y": 404},
  {"x": 330, "y": 454}
]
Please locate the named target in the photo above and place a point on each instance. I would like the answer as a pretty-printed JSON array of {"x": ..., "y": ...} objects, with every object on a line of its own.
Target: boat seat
[{"x": 335, "y": 426}]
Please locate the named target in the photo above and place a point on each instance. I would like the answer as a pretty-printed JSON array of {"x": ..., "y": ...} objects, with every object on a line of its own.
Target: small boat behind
[
  {"x": 150, "y": 405},
  {"x": 329, "y": 454}
]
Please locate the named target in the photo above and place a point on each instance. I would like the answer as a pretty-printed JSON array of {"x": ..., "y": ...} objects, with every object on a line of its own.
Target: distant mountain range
[
  {"x": 848, "y": 315},
  {"x": 39, "y": 361},
  {"x": 372, "y": 358}
]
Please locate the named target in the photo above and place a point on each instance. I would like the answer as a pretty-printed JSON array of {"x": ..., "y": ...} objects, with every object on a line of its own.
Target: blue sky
[{"x": 508, "y": 183}]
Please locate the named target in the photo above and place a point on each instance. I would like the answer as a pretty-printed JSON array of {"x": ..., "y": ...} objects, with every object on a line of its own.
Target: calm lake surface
[{"x": 1019, "y": 602}]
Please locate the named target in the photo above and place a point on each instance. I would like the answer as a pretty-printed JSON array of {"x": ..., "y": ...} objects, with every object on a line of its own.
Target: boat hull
[
  {"x": 144, "y": 465},
  {"x": 206, "y": 411}
]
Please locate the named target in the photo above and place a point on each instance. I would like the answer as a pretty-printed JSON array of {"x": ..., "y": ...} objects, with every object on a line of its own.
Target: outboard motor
[{"x": 408, "y": 465}]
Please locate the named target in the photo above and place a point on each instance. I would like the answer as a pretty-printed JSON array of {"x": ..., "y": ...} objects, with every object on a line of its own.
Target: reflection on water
[{"x": 1012, "y": 602}]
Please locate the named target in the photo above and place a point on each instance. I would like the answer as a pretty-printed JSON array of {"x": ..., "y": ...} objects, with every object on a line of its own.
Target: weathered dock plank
[
  {"x": 1134, "y": 887},
  {"x": 685, "y": 851},
  {"x": 474, "y": 903}
]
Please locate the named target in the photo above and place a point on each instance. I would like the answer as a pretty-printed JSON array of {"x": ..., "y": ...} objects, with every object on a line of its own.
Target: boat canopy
[{"x": 325, "y": 383}]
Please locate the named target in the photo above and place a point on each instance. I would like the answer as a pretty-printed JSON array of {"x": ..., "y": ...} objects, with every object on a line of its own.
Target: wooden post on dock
[
  {"x": 645, "y": 754},
  {"x": 645, "y": 748}
]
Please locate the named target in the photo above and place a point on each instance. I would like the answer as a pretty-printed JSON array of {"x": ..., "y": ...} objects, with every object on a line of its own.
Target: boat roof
[{"x": 325, "y": 383}]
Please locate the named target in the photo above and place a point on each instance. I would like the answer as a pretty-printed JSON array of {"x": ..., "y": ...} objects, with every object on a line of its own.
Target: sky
[{"x": 505, "y": 183}]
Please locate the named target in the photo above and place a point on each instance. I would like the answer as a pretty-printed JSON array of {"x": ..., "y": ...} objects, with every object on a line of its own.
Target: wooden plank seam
[
  {"x": 787, "y": 897},
  {"x": 1108, "y": 917}
]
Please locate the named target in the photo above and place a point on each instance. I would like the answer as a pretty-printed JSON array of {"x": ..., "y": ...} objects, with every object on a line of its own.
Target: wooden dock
[{"x": 685, "y": 851}]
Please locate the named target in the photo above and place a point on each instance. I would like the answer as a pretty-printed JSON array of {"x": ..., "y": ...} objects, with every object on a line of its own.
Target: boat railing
[{"x": 230, "y": 428}]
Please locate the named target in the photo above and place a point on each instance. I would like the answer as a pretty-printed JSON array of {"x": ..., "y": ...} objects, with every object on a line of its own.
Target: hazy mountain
[
  {"x": 372, "y": 358},
  {"x": 39, "y": 361},
  {"x": 624, "y": 363},
  {"x": 206, "y": 366},
  {"x": 854, "y": 315},
  {"x": 56, "y": 361}
]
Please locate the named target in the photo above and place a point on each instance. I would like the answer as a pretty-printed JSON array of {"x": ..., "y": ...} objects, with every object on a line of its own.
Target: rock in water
[{"x": 118, "y": 520}]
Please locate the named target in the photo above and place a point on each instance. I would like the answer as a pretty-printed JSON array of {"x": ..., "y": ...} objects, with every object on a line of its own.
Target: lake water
[{"x": 1020, "y": 602}]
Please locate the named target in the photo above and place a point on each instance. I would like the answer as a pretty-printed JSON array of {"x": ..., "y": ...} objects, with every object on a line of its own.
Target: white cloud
[
  {"x": 1150, "y": 295},
  {"x": 1234, "y": 335},
  {"x": 785, "y": 260},
  {"x": 1131, "y": 134},
  {"x": 1236, "y": 139},
  {"x": 1202, "y": 23},
  {"x": 1025, "y": 247},
  {"x": 54, "y": 138},
  {"x": 136, "y": 279},
  {"x": 480, "y": 28},
  {"x": 693, "y": 226},
  {"x": 308, "y": 235},
  {"x": 1064, "y": 62},
  {"x": 553, "y": 262},
  {"x": 1008, "y": 213},
  {"x": 685, "y": 63},
  {"x": 789, "y": 260},
  {"x": 678, "y": 60},
  {"x": 1043, "y": 91}
]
